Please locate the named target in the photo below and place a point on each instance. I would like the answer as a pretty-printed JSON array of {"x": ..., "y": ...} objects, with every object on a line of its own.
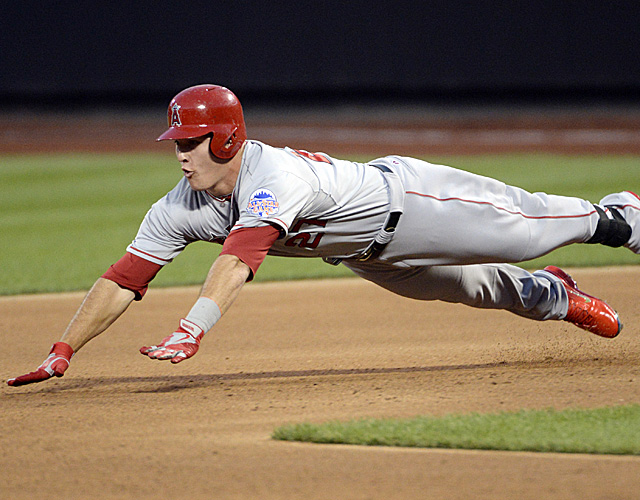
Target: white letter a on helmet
[{"x": 175, "y": 116}]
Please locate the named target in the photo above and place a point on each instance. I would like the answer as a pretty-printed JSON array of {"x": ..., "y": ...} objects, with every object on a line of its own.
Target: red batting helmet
[{"x": 207, "y": 109}]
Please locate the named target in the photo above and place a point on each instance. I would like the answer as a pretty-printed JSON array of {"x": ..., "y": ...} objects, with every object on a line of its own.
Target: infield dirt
[{"x": 121, "y": 426}]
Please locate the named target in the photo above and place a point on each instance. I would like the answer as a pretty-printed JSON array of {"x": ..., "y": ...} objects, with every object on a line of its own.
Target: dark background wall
[{"x": 76, "y": 53}]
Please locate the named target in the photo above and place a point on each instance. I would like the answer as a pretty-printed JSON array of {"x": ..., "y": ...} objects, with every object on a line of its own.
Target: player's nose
[{"x": 182, "y": 157}]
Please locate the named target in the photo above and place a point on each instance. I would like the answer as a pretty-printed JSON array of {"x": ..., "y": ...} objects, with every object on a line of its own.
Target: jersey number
[
  {"x": 311, "y": 156},
  {"x": 303, "y": 240}
]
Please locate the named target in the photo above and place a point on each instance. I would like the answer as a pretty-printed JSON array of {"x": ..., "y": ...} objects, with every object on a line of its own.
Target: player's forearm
[
  {"x": 223, "y": 284},
  {"x": 104, "y": 303},
  {"x": 225, "y": 280}
]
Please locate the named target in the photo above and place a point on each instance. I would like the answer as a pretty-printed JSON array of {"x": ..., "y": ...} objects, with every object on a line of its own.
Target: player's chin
[
  {"x": 198, "y": 185},
  {"x": 195, "y": 185}
]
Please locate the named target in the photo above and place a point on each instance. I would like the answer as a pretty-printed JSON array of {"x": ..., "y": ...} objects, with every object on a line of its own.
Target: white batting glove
[{"x": 180, "y": 345}]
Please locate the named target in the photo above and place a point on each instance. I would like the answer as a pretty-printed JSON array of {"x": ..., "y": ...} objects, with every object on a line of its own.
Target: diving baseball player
[{"x": 420, "y": 230}]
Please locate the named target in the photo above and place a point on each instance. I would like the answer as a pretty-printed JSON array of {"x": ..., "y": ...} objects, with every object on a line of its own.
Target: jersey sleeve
[
  {"x": 157, "y": 242},
  {"x": 159, "y": 238},
  {"x": 274, "y": 200}
]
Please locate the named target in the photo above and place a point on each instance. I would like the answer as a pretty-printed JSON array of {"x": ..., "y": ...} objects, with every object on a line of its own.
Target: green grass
[
  {"x": 611, "y": 430},
  {"x": 65, "y": 218}
]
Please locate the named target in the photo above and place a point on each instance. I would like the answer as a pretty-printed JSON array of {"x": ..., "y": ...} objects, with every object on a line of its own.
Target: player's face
[{"x": 199, "y": 166}]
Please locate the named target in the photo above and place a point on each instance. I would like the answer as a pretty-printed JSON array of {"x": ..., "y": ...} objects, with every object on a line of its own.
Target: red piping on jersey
[
  {"x": 273, "y": 218},
  {"x": 283, "y": 223},
  {"x": 502, "y": 208},
  {"x": 223, "y": 199},
  {"x": 150, "y": 255},
  {"x": 635, "y": 196}
]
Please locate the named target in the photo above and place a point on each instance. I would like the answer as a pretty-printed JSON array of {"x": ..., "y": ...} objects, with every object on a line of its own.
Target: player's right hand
[
  {"x": 180, "y": 345},
  {"x": 55, "y": 365}
]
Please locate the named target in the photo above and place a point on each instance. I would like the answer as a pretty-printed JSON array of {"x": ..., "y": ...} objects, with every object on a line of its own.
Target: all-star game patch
[{"x": 263, "y": 203}]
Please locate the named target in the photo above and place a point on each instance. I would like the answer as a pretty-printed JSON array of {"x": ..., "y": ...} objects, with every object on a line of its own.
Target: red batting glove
[
  {"x": 55, "y": 365},
  {"x": 180, "y": 345}
]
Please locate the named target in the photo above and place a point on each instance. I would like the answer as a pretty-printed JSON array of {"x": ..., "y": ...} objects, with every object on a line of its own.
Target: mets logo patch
[{"x": 263, "y": 203}]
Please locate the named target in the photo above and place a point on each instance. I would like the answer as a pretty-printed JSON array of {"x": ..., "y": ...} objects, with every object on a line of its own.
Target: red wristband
[{"x": 62, "y": 349}]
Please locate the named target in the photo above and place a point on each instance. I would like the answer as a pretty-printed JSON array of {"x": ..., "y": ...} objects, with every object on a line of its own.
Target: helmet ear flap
[{"x": 229, "y": 148}]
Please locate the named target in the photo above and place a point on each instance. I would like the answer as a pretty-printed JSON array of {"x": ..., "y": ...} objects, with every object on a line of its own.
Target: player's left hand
[
  {"x": 55, "y": 365},
  {"x": 180, "y": 345}
]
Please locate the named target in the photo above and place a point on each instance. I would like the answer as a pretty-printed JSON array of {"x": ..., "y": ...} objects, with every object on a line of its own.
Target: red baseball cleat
[{"x": 585, "y": 311}]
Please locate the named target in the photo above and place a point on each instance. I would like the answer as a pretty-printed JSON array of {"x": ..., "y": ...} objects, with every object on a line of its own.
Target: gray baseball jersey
[
  {"x": 454, "y": 225},
  {"x": 324, "y": 207}
]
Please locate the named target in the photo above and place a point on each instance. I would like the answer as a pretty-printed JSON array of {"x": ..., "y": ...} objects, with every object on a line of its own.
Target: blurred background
[{"x": 455, "y": 76}]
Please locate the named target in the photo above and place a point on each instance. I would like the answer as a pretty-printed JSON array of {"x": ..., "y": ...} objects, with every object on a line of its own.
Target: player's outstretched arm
[
  {"x": 104, "y": 303},
  {"x": 223, "y": 284}
]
